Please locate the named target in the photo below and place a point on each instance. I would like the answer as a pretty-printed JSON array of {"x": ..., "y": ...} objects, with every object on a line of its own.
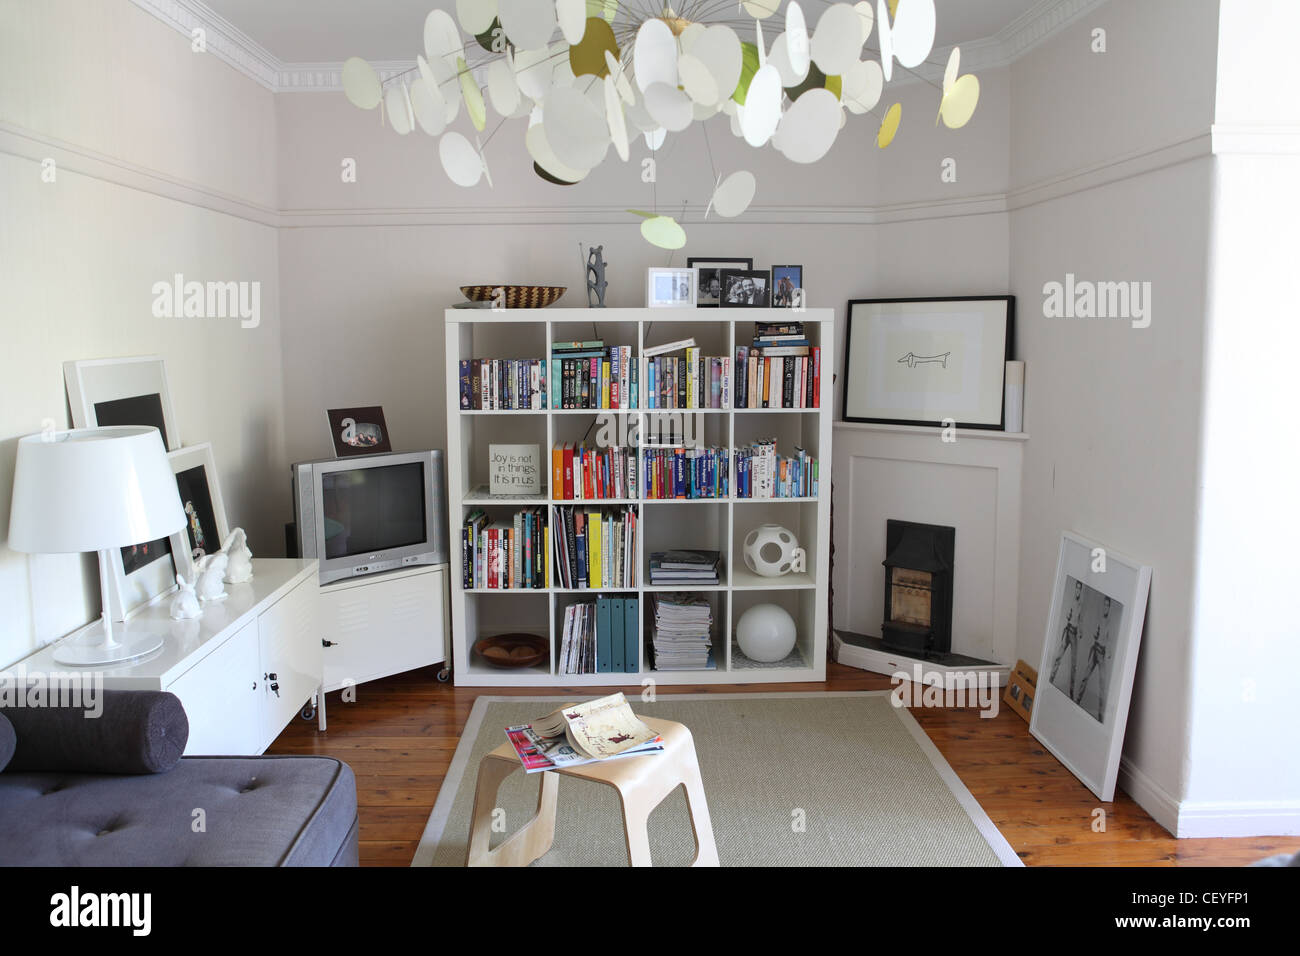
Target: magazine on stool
[{"x": 578, "y": 734}]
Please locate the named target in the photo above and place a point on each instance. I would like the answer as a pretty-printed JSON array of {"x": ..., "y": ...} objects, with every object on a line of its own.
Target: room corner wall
[
  {"x": 125, "y": 159},
  {"x": 1242, "y": 777},
  {"x": 1110, "y": 186}
]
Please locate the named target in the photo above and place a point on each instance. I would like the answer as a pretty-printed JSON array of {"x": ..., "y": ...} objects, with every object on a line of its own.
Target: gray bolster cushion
[
  {"x": 8, "y": 740},
  {"x": 137, "y": 731}
]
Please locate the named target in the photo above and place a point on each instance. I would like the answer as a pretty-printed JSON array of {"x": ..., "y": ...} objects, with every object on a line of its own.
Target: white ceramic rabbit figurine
[
  {"x": 235, "y": 547},
  {"x": 211, "y": 570},
  {"x": 185, "y": 605}
]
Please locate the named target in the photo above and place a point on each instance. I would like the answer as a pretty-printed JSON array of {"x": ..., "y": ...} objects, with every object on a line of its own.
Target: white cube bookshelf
[{"x": 713, "y": 523}]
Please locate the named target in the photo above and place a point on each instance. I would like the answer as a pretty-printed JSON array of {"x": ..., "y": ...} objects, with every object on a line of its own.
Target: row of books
[
  {"x": 682, "y": 639},
  {"x": 692, "y": 381},
  {"x": 502, "y": 384},
  {"x": 579, "y": 473},
  {"x": 595, "y": 548},
  {"x": 600, "y": 637},
  {"x": 766, "y": 381},
  {"x": 762, "y": 473},
  {"x": 686, "y": 472},
  {"x": 588, "y": 375},
  {"x": 684, "y": 567},
  {"x": 505, "y": 554}
]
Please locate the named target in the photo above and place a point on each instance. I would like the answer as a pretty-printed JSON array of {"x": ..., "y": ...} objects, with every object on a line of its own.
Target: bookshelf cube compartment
[
  {"x": 719, "y": 607},
  {"x": 624, "y": 660},
  {"x": 801, "y": 606},
  {"x": 574, "y": 528},
  {"x": 491, "y": 615},
  {"x": 798, "y": 517},
  {"x": 508, "y": 428},
  {"x": 597, "y": 433},
  {"x": 672, "y": 438},
  {"x": 500, "y": 517},
  {"x": 686, "y": 525}
]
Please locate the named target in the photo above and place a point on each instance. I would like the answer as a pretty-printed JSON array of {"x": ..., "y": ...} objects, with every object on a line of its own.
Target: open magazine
[{"x": 578, "y": 734}]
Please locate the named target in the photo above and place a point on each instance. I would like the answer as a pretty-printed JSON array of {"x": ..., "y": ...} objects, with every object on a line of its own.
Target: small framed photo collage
[{"x": 708, "y": 282}]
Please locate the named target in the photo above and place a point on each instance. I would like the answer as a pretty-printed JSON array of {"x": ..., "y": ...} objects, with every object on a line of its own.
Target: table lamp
[{"x": 95, "y": 489}]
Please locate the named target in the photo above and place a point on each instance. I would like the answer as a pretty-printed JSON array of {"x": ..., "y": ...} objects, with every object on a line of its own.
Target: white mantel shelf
[{"x": 962, "y": 433}]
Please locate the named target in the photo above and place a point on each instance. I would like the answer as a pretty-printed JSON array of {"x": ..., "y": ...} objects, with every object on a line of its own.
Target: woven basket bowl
[{"x": 517, "y": 296}]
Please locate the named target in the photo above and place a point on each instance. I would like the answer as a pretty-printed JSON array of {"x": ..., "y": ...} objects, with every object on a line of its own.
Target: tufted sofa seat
[
  {"x": 163, "y": 809},
  {"x": 205, "y": 811}
]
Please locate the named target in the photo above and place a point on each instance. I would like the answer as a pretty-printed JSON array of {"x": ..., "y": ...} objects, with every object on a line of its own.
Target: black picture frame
[
  {"x": 792, "y": 298},
  {"x": 708, "y": 268},
  {"x": 370, "y": 431},
  {"x": 849, "y": 413},
  {"x": 759, "y": 301}
]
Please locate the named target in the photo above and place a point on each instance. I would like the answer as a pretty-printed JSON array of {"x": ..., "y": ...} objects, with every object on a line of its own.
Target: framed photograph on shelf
[
  {"x": 121, "y": 391},
  {"x": 746, "y": 288},
  {"x": 788, "y": 287},
  {"x": 670, "y": 288},
  {"x": 358, "y": 431},
  {"x": 1085, "y": 679},
  {"x": 708, "y": 293},
  {"x": 928, "y": 361},
  {"x": 206, "y": 528}
]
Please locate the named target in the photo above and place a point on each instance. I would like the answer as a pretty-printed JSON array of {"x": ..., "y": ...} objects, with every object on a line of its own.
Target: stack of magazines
[
  {"x": 682, "y": 638},
  {"x": 684, "y": 567},
  {"x": 577, "y": 734}
]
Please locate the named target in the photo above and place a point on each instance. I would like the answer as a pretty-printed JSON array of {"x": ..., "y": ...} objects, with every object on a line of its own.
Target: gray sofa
[{"x": 114, "y": 790}]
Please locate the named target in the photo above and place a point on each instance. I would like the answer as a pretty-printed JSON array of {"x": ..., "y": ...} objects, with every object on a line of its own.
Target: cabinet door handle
[
  {"x": 276, "y": 688},
  {"x": 325, "y": 643},
  {"x": 254, "y": 685}
]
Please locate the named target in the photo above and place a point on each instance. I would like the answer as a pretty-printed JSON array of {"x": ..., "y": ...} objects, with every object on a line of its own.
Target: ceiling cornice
[{"x": 234, "y": 47}]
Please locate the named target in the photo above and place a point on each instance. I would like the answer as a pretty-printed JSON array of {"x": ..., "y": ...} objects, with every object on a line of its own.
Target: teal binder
[
  {"x": 631, "y": 634},
  {"x": 604, "y": 649},
  {"x": 617, "y": 649}
]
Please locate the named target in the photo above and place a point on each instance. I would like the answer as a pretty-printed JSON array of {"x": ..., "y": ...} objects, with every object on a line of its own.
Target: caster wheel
[
  {"x": 308, "y": 712},
  {"x": 444, "y": 675}
]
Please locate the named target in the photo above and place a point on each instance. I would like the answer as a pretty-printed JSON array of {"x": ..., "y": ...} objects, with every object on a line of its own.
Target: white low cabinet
[
  {"x": 385, "y": 624},
  {"x": 243, "y": 670}
]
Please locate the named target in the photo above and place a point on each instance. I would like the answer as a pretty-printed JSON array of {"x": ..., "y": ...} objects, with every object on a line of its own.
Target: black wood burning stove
[{"x": 918, "y": 588}]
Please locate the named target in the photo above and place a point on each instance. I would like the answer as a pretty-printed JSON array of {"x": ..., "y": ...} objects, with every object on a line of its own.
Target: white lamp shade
[{"x": 92, "y": 489}]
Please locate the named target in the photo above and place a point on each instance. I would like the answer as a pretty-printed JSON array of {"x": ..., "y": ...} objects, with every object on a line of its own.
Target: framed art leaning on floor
[{"x": 1085, "y": 678}]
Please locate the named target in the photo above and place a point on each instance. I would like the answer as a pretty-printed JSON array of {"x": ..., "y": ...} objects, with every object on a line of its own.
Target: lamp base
[{"x": 82, "y": 654}]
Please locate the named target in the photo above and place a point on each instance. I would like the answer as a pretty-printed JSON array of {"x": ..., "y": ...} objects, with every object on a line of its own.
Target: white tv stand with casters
[
  {"x": 243, "y": 671},
  {"x": 383, "y": 624}
]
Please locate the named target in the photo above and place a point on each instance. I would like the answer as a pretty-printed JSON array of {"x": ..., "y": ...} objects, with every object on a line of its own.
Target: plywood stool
[{"x": 642, "y": 784}]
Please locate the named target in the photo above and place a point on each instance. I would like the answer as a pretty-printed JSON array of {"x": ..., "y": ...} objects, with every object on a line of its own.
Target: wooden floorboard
[{"x": 400, "y": 734}]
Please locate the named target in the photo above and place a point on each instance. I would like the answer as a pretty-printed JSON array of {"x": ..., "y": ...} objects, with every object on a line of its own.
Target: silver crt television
[{"x": 371, "y": 513}]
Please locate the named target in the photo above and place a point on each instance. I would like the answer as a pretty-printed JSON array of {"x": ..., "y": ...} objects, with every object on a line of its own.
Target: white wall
[
  {"x": 1243, "y": 778},
  {"x": 165, "y": 163},
  {"x": 1112, "y": 180},
  {"x": 368, "y": 267}
]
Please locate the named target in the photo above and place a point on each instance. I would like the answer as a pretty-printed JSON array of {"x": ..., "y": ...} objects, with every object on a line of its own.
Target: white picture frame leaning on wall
[
  {"x": 1085, "y": 678},
  {"x": 130, "y": 391},
  {"x": 206, "y": 527}
]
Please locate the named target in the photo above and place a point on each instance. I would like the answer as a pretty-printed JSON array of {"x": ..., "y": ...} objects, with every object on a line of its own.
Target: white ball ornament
[
  {"x": 771, "y": 550},
  {"x": 766, "y": 633}
]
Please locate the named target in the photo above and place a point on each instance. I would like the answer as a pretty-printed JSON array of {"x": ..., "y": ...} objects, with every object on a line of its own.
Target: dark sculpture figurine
[{"x": 596, "y": 283}]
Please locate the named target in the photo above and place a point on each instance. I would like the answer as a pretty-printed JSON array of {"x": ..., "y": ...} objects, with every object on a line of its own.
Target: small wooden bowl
[
  {"x": 513, "y": 650},
  {"x": 516, "y": 296}
]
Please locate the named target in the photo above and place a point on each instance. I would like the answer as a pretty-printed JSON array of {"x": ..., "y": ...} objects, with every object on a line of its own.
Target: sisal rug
[{"x": 809, "y": 779}]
